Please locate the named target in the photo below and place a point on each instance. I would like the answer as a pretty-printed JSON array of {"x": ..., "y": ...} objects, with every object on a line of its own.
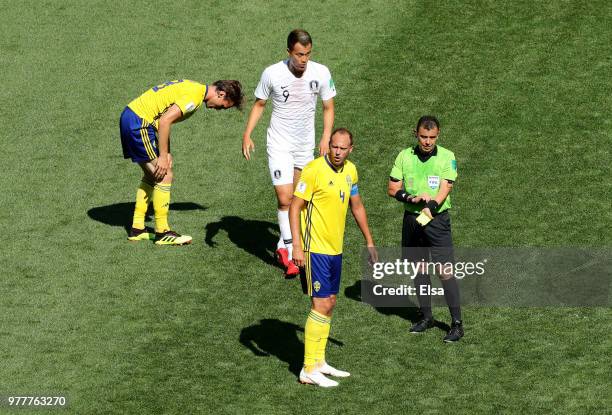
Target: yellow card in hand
[{"x": 423, "y": 219}]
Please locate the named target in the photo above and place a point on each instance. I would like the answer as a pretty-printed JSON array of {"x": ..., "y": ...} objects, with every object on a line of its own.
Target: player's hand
[
  {"x": 247, "y": 146},
  {"x": 372, "y": 255},
  {"x": 164, "y": 162},
  {"x": 298, "y": 256},
  {"x": 323, "y": 148}
]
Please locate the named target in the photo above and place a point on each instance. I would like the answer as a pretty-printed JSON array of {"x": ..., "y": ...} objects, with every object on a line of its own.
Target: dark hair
[
  {"x": 233, "y": 91},
  {"x": 342, "y": 131},
  {"x": 429, "y": 122},
  {"x": 298, "y": 36}
]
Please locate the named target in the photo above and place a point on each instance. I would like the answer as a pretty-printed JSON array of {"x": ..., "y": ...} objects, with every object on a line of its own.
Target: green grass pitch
[{"x": 523, "y": 92}]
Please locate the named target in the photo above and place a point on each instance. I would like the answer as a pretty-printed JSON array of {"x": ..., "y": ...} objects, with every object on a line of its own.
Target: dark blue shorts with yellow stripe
[
  {"x": 138, "y": 137},
  {"x": 320, "y": 276}
]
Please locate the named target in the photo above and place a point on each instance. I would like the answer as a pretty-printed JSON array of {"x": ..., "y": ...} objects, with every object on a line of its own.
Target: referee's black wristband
[
  {"x": 402, "y": 196},
  {"x": 432, "y": 205}
]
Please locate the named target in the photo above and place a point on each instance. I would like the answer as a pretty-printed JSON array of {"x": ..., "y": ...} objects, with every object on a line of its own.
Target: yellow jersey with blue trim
[
  {"x": 187, "y": 95},
  {"x": 327, "y": 191}
]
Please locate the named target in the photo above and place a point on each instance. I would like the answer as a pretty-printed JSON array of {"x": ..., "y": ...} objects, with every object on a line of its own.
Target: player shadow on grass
[
  {"x": 253, "y": 236},
  {"x": 406, "y": 309},
  {"x": 272, "y": 337},
  {"x": 120, "y": 214}
]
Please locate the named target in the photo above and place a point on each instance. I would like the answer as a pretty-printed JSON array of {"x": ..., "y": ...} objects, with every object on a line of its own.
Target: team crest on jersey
[
  {"x": 410, "y": 182},
  {"x": 433, "y": 181},
  {"x": 314, "y": 85},
  {"x": 331, "y": 182},
  {"x": 277, "y": 174},
  {"x": 349, "y": 181},
  {"x": 317, "y": 286}
]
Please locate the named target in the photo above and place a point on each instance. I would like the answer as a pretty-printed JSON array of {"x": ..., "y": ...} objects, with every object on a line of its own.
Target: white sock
[{"x": 285, "y": 231}]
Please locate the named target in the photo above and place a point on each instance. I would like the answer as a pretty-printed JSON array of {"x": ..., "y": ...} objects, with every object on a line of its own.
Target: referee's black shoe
[
  {"x": 422, "y": 325},
  {"x": 455, "y": 333}
]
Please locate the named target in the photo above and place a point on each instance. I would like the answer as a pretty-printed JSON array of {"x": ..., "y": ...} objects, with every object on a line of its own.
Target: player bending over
[{"x": 145, "y": 136}]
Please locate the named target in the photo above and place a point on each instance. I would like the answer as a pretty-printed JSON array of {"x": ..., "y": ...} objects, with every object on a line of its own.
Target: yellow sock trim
[
  {"x": 320, "y": 353},
  {"x": 317, "y": 326},
  {"x": 161, "y": 205},
  {"x": 143, "y": 197}
]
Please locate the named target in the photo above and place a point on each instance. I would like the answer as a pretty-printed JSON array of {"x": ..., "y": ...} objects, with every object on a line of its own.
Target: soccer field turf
[{"x": 523, "y": 93}]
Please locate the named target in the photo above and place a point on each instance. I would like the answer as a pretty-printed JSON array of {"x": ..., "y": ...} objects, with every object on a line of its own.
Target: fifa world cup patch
[
  {"x": 317, "y": 286},
  {"x": 301, "y": 187},
  {"x": 189, "y": 107},
  {"x": 433, "y": 181}
]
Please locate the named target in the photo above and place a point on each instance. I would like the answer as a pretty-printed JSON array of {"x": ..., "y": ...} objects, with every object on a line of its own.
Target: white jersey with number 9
[{"x": 294, "y": 102}]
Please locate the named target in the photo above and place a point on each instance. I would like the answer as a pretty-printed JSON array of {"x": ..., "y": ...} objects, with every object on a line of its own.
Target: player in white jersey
[{"x": 293, "y": 85}]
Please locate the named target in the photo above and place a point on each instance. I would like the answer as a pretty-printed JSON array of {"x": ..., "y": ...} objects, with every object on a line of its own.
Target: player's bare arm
[
  {"x": 164, "y": 161},
  {"x": 297, "y": 204},
  {"x": 248, "y": 145},
  {"x": 359, "y": 213},
  {"x": 328, "y": 125}
]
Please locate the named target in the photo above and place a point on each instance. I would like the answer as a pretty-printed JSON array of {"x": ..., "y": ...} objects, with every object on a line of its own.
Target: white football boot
[
  {"x": 332, "y": 371},
  {"x": 316, "y": 378}
]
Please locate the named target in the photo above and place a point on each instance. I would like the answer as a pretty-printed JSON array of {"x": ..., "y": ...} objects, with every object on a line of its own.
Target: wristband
[
  {"x": 402, "y": 196},
  {"x": 432, "y": 205}
]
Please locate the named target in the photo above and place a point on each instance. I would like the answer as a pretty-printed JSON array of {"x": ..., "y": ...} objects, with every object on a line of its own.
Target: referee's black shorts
[{"x": 431, "y": 242}]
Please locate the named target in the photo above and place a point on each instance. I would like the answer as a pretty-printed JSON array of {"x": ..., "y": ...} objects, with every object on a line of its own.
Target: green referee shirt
[{"x": 422, "y": 173}]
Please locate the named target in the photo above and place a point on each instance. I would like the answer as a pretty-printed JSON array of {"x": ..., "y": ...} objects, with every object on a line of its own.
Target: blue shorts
[
  {"x": 138, "y": 137},
  {"x": 320, "y": 276}
]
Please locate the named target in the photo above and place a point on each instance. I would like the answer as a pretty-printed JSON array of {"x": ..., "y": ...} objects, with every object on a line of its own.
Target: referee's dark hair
[
  {"x": 429, "y": 122},
  {"x": 298, "y": 36},
  {"x": 342, "y": 130}
]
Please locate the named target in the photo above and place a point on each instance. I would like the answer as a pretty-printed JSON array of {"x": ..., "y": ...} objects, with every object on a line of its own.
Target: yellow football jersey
[
  {"x": 327, "y": 192},
  {"x": 188, "y": 95}
]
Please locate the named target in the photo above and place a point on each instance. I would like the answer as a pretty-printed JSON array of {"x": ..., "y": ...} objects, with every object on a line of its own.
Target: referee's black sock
[
  {"x": 451, "y": 295},
  {"x": 422, "y": 283}
]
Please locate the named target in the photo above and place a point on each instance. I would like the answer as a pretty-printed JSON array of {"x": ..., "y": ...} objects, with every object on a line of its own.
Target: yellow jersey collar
[{"x": 334, "y": 167}]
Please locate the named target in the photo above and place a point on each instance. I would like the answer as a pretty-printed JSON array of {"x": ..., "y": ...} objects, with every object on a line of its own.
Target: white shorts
[{"x": 282, "y": 162}]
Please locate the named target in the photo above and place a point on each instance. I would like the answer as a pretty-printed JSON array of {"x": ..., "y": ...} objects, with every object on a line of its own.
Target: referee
[{"x": 421, "y": 179}]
